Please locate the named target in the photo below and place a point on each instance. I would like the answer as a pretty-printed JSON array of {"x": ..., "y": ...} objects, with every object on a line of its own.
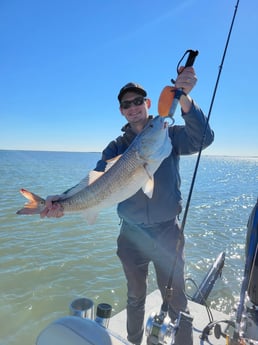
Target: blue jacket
[{"x": 166, "y": 202}]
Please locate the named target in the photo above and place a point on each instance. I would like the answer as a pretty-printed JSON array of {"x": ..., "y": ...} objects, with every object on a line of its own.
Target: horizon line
[{"x": 64, "y": 151}]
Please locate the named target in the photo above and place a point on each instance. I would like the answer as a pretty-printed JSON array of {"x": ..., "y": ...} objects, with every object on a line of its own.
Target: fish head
[{"x": 154, "y": 142}]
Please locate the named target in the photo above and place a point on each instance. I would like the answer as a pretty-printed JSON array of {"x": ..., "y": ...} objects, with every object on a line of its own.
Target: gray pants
[{"x": 137, "y": 247}]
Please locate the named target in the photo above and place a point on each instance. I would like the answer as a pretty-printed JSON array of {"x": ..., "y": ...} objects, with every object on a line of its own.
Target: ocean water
[{"x": 47, "y": 263}]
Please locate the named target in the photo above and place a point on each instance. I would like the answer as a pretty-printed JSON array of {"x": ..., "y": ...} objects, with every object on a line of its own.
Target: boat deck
[{"x": 153, "y": 303}]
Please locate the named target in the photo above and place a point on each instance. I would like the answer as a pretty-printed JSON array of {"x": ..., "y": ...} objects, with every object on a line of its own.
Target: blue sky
[{"x": 63, "y": 62}]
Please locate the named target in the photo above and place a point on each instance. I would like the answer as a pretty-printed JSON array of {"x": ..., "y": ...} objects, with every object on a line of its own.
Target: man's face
[{"x": 134, "y": 107}]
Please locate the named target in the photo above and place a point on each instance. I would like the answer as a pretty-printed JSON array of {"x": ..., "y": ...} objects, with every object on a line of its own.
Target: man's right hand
[{"x": 52, "y": 210}]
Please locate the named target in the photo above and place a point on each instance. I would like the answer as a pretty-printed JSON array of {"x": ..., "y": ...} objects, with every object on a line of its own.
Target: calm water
[{"x": 45, "y": 264}]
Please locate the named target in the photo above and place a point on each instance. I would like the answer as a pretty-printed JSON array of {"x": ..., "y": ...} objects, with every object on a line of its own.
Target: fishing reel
[{"x": 160, "y": 330}]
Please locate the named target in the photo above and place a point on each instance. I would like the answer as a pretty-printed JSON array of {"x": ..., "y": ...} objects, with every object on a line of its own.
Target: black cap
[{"x": 131, "y": 87}]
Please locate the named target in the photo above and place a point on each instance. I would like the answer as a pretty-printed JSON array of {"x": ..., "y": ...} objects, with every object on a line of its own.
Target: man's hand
[
  {"x": 186, "y": 79},
  {"x": 52, "y": 210}
]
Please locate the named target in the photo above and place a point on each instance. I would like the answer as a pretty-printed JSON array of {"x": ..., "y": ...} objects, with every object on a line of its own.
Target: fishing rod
[
  {"x": 208, "y": 118},
  {"x": 155, "y": 323}
]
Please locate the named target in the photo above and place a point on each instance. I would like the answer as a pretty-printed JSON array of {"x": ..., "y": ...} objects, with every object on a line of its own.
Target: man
[{"x": 150, "y": 229}]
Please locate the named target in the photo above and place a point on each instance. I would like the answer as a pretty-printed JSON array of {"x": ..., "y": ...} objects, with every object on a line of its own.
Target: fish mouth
[
  {"x": 168, "y": 122},
  {"x": 165, "y": 122}
]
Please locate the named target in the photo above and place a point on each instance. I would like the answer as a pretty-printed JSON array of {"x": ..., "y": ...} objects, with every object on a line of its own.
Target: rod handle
[{"x": 191, "y": 57}]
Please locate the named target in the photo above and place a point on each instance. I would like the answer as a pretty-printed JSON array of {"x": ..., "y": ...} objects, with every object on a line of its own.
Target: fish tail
[{"x": 35, "y": 205}]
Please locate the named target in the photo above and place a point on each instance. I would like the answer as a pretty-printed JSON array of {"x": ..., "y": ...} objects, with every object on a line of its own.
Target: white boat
[{"x": 209, "y": 326}]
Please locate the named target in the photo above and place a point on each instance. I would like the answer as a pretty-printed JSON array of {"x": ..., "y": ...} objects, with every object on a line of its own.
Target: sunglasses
[{"x": 135, "y": 101}]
